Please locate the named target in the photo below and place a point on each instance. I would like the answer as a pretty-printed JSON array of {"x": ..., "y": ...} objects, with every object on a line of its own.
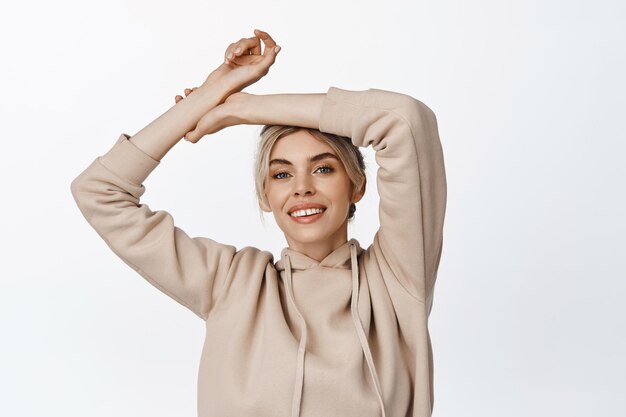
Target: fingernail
[
  {"x": 238, "y": 50},
  {"x": 277, "y": 48}
]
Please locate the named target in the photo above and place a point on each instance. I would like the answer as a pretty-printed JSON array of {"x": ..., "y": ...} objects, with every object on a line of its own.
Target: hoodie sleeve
[
  {"x": 411, "y": 178},
  {"x": 107, "y": 192}
]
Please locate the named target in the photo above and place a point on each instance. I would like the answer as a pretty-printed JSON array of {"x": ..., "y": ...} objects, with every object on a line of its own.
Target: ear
[
  {"x": 264, "y": 207},
  {"x": 359, "y": 195}
]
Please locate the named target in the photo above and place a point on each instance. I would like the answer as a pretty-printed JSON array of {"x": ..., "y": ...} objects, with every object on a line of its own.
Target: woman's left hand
[{"x": 230, "y": 113}]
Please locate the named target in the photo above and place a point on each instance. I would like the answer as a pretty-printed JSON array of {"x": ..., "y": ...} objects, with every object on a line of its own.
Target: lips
[
  {"x": 308, "y": 219},
  {"x": 304, "y": 206}
]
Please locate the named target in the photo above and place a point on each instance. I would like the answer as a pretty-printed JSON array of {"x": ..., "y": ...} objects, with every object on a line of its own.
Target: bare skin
[
  {"x": 237, "y": 72},
  {"x": 295, "y": 179},
  {"x": 219, "y": 103}
]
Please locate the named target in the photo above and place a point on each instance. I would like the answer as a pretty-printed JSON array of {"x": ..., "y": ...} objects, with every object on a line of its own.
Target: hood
[
  {"x": 339, "y": 258},
  {"x": 344, "y": 257}
]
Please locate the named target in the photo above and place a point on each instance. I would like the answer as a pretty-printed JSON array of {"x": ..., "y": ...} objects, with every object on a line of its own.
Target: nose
[{"x": 303, "y": 185}]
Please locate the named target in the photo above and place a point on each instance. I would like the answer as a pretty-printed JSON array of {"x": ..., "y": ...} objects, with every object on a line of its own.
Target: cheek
[
  {"x": 340, "y": 191},
  {"x": 275, "y": 196}
]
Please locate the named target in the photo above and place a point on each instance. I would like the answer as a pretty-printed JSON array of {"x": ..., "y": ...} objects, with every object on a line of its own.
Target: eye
[
  {"x": 278, "y": 175},
  {"x": 327, "y": 167}
]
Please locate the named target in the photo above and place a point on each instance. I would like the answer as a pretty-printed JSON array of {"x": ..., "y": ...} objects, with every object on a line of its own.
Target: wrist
[
  {"x": 247, "y": 104},
  {"x": 240, "y": 106},
  {"x": 284, "y": 109},
  {"x": 211, "y": 94},
  {"x": 259, "y": 109}
]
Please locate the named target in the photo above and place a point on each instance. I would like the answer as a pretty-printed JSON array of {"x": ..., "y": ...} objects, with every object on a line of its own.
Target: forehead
[{"x": 299, "y": 146}]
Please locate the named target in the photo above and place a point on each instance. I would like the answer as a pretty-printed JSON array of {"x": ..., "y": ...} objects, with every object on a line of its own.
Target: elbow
[
  {"x": 418, "y": 110},
  {"x": 407, "y": 107},
  {"x": 81, "y": 191},
  {"x": 419, "y": 116},
  {"x": 78, "y": 193},
  {"x": 77, "y": 187}
]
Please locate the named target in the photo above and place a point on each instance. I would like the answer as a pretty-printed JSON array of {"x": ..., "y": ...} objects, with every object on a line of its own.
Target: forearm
[
  {"x": 285, "y": 109},
  {"x": 158, "y": 137}
]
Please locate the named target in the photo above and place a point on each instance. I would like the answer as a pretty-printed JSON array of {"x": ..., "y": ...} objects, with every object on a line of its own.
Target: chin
[
  {"x": 313, "y": 235},
  {"x": 320, "y": 231},
  {"x": 308, "y": 237}
]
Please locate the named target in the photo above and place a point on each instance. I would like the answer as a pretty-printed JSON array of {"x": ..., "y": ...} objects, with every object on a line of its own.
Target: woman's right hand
[{"x": 244, "y": 64}]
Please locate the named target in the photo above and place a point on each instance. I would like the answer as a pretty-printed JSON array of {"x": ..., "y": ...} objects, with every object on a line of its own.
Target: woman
[{"x": 330, "y": 329}]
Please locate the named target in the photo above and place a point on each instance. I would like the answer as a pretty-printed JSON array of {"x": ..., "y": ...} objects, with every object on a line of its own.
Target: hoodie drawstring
[
  {"x": 299, "y": 383},
  {"x": 297, "y": 392},
  {"x": 359, "y": 327}
]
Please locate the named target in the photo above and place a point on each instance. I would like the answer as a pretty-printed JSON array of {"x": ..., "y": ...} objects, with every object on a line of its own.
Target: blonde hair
[{"x": 349, "y": 154}]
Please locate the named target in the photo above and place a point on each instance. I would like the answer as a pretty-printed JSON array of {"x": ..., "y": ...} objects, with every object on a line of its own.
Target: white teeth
[{"x": 307, "y": 212}]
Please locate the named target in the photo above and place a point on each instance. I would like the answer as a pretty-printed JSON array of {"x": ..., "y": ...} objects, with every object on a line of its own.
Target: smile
[
  {"x": 307, "y": 212},
  {"x": 307, "y": 216}
]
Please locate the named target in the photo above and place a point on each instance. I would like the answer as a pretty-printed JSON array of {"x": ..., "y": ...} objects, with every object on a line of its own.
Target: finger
[
  {"x": 269, "y": 56},
  {"x": 189, "y": 90},
  {"x": 197, "y": 133},
  {"x": 266, "y": 38},
  {"x": 208, "y": 124},
  {"x": 245, "y": 46},
  {"x": 192, "y": 136},
  {"x": 241, "y": 47},
  {"x": 250, "y": 46},
  {"x": 256, "y": 50},
  {"x": 228, "y": 53}
]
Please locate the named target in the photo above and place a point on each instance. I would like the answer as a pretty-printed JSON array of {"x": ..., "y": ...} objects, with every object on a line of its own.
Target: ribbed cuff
[
  {"x": 128, "y": 162},
  {"x": 333, "y": 113},
  {"x": 340, "y": 108}
]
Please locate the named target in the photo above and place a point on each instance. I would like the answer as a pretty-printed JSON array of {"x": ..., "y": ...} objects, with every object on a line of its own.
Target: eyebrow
[{"x": 315, "y": 158}]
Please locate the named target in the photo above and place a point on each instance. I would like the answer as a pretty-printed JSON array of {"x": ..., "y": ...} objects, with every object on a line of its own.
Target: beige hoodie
[{"x": 347, "y": 336}]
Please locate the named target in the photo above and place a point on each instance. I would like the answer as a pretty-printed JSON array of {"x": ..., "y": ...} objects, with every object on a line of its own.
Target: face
[{"x": 305, "y": 170}]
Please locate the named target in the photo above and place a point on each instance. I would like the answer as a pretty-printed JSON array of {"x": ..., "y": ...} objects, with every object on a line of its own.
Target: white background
[{"x": 528, "y": 317}]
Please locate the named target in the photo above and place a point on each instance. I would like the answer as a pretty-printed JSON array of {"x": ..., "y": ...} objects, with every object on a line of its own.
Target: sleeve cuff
[
  {"x": 127, "y": 161},
  {"x": 341, "y": 107},
  {"x": 333, "y": 117}
]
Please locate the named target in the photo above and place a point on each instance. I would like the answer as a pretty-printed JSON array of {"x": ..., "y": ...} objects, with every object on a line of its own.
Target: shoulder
[
  {"x": 379, "y": 267},
  {"x": 249, "y": 268},
  {"x": 251, "y": 257}
]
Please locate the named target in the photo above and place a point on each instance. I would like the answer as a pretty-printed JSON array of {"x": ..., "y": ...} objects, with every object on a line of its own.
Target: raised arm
[
  {"x": 411, "y": 177},
  {"x": 108, "y": 192},
  {"x": 244, "y": 65}
]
